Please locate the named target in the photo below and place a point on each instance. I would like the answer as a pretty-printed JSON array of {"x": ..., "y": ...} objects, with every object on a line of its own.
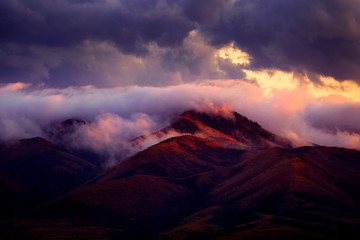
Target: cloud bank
[{"x": 116, "y": 116}]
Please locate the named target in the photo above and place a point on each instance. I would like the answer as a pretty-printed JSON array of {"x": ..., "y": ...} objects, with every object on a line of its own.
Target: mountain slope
[
  {"x": 195, "y": 186},
  {"x": 39, "y": 164},
  {"x": 15, "y": 195},
  {"x": 151, "y": 190},
  {"x": 309, "y": 192},
  {"x": 137, "y": 205},
  {"x": 232, "y": 130},
  {"x": 303, "y": 192},
  {"x": 177, "y": 157}
]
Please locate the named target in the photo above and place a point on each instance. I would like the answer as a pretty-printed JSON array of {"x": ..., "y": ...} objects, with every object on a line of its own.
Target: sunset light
[{"x": 179, "y": 119}]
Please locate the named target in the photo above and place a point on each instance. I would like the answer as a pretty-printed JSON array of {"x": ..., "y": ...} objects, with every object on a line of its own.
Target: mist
[{"x": 118, "y": 115}]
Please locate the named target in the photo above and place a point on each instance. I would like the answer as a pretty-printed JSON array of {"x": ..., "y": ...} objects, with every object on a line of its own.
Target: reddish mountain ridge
[
  {"x": 195, "y": 186},
  {"x": 232, "y": 130},
  {"x": 307, "y": 192}
]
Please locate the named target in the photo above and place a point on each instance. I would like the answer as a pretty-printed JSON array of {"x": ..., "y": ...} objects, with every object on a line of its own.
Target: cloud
[
  {"x": 102, "y": 64},
  {"x": 58, "y": 42},
  {"x": 108, "y": 43},
  {"x": 116, "y": 116},
  {"x": 312, "y": 37},
  {"x": 121, "y": 64},
  {"x": 14, "y": 86},
  {"x": 129, "y": 24},
  {"x": 205, "y": 14},
  {"x": 112, "y": 137},
  {"x": 334, "y": 118},
  {"x": 167, "y": 42}
]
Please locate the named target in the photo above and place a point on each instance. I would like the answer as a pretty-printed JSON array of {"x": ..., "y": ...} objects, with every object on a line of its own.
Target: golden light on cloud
[
  {"x": 234, "y": 54},
  {"x": 339, "y": 91},
  {"x": 270, "y": 80},
  {"x": 329, "y": 89}
]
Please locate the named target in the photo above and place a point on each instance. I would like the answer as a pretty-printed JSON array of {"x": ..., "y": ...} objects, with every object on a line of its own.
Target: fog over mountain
[
  {"x": 115, "y": 116},
  {"x": 221, "y": 175},
  {"x": 179, "y": 119},
  {"x": 291, "y": 66}
]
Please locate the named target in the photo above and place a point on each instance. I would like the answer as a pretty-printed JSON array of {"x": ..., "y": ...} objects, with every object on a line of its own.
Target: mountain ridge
[
  {"x": 209, "y": 183},
  {"x": 44, "y": 167},
  {"x": 232, "y": 130}
]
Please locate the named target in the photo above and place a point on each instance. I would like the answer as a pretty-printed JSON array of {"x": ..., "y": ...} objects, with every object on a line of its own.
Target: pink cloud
[
  {"x": 118, "y": 115},
  {"x": 14, "y": 86}
]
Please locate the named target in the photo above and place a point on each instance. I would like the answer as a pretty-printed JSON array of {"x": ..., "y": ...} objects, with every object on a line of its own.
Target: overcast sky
[{"x": 164, "y": 42}]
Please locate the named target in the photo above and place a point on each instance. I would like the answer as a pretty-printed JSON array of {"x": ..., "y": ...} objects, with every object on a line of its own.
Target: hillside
[
  {"x": 222, "y": 178},
  {"x": 305, "y": 192},
  {"x": 232, "y": 130},
  {"x": 42, "y": 166}
]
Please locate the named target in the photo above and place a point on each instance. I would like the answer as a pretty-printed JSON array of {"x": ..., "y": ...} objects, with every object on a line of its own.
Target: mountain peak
[
  {"x": 230, "y": 129},
  {"x": 59, "y": 132},
  {"x": 229, "y": 120},
  {"x": 36, "y": 141},
  {"x": 190, "y": 186}
]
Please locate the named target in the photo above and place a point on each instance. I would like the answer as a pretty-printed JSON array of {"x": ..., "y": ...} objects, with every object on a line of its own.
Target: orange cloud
[{"x": 15, "y": 86}]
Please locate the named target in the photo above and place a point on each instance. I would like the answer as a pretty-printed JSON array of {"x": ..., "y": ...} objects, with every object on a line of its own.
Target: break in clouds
[{"x": 118, "y": 115}]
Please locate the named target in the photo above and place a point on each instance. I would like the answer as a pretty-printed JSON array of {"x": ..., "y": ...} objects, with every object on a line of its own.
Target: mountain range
[{"x": 221, "y": 177}]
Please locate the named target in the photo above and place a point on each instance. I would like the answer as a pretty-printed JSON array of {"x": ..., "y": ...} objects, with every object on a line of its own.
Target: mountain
[
  {"x": 232, "y": 130},
  {"x": 42, "y": 166},
  {"x": 60, "y": 132},
  {"x": 178, "y": 157},
  {"x": 147, "y": 190},
  {"x": 64, "y": 133},
  {"x": 15, "y": 195},
  {"x": 308, "y": 192},
  {"x": 221, "y": 178}
]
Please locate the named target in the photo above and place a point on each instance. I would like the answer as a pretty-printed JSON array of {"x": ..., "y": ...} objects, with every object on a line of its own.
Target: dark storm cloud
[
  {"x": 53, "y": 41},
  {"x": 129, "y": 24},
  {"x": 57, "y": 42},
  {"x": 203, "y": 12},
  {"x": 319, "y": 36}
]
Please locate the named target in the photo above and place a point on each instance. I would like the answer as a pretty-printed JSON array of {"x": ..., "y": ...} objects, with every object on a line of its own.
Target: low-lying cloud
[
  {"x": 113, "y": 137},
  {"x": 116, "y": 116},
  {"x": 334, "y": 117}
]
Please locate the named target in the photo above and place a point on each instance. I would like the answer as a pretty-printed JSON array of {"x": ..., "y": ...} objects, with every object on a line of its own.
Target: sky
[{"x": 293, "y": 66}]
